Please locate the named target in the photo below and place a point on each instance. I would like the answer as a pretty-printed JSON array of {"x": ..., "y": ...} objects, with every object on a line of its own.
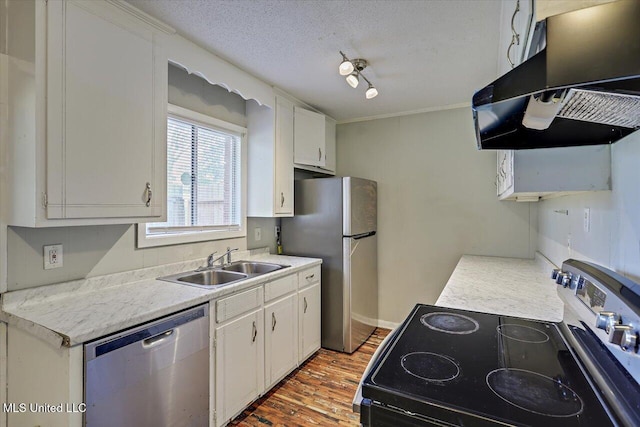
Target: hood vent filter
[{"x": 602, "y": 107}]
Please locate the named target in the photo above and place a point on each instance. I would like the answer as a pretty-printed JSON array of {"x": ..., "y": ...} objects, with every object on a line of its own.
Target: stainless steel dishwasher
[{"x": 155, "y": 375}]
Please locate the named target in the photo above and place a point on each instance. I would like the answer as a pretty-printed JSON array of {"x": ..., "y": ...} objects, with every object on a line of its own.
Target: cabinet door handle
[
  {"x": 273, "y": 321},
  {"x": 515, "y": 38},
  {"x": 311, "y": 276},
  {"x": 254, "y": 332},
  {"x": 149, "y": 194},
  {"x": 319, "y": 154},
  {"x": 281, "y": 199},
  {"x": 305, "y": 304}
]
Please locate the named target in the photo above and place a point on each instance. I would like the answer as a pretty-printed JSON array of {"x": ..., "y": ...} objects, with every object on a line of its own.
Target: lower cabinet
[
  {"x": 308, "y": 321},
  {"x": 263, "y": 334},
  {"x": 239, "y": 364},
  {"x": 281, "y": 337}
]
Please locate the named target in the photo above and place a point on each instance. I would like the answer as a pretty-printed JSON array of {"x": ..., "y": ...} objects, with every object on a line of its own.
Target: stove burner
[
  {"x": 534, "y": 392},
  {"x": 522, "y": 333},
  {"x": 430, "y": 367},
  {"x": 450, "y": 323}
]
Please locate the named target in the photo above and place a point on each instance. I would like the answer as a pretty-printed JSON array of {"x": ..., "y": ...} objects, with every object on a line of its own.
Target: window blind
[{"x": 203, "y": 179}]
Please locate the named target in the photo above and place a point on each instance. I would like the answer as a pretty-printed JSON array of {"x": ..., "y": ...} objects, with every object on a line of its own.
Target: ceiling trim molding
[{"x": 406, "y": 113}]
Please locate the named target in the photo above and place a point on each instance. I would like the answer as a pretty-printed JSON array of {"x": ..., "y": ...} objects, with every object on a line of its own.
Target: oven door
[{"x": 357, "y": 399}]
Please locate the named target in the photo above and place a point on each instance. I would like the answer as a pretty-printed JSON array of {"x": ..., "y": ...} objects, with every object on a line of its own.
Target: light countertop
[
  {"x": 75, "y": 312},
  {"x": 507, "y": 286}
]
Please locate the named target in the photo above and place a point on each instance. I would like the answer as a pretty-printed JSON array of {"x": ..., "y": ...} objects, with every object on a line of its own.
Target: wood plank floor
[{"x": 319, "y": 393}]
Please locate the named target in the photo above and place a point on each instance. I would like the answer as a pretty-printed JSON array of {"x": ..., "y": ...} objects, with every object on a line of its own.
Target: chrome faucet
[{"x": 211, "y": 261}]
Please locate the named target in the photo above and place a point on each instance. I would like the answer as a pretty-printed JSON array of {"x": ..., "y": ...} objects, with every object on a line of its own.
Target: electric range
[{"x": 451, "y": 367}]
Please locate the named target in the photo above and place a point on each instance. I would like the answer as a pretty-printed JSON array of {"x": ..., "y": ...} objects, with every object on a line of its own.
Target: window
[{"x": 204, "y": 181}]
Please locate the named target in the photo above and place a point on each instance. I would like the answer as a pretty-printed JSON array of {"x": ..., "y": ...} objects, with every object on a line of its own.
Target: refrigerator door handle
[{"x": 362, "y": 235}]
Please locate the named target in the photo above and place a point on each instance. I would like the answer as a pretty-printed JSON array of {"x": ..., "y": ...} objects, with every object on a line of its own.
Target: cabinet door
[
  {"x": 106, "y": 113},
  {"x": 308, "y": 139},
  {"x": 330, "y": 145},
  {"x": 309, "y": 321},
  {"x": 281, "y": 337},
  {"x": 239, "y": 365},
  {"x": 283, "y": 193}
]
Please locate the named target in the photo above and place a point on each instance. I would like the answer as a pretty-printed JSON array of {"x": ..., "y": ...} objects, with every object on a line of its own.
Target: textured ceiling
[{"x": 423, "y": 54}]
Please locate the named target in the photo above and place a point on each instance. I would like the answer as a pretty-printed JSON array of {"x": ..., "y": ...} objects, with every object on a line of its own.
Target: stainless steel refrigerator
[{"x": 336, "y": 220}]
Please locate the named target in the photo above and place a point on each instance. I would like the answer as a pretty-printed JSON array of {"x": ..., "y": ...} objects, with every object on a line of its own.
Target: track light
[
  {"x": 353, "y": 79},
  {"x": 346, "y": 67},
  {"x": 353, "y": 70},
  {"x": 371, "y": 92}
]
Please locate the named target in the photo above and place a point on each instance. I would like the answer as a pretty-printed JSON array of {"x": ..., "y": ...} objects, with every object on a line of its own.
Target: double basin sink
[{"x": 223, "y": 275}]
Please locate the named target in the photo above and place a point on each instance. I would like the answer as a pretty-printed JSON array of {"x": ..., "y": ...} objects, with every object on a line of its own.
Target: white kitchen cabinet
[
  {"x": 309, "y": 321},
  {"x": 309, "y": 138},
  {"x": 270, "y": 159},
  {"x": 86, "y": 115},
  {"x": 239, "y": 364},
  {"x": 330, "y": 145},
  {"x": 529, "y": 175},
  {"x": 514, "y": 41},
  {"x": 281, "y": 337}
]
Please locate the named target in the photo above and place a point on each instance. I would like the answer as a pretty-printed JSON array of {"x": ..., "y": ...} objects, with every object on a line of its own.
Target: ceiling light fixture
[
  {"x": 353, "y": 79},
  {"x": 353, "y": 70},
  {"x": 346, "y": 67}
]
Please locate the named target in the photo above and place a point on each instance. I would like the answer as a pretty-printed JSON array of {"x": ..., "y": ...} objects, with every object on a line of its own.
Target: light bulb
[
  {"x": 372, "y": 92},
  {"x": 346, "y": 68},
  {"x": 353, "y": 80}
]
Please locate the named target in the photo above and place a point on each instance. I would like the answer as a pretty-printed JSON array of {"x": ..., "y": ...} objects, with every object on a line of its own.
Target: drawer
[
  {"x": 309, "y": 276},
  {"x": 230, "y": 307},
  {"x": 280, "y": 287}
]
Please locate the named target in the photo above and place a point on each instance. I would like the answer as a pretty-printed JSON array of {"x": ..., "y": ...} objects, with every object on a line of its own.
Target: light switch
[
  {"x": 258, "y": 234},
  {"x": 52, "y": 256}
]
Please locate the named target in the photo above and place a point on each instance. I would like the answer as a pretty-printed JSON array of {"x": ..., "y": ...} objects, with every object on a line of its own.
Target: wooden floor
[{"x": 319, "y": 393}]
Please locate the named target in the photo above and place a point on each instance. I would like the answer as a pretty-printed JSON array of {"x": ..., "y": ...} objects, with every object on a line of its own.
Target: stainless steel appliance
[
  {"x": 336, "y": 220},
  {"x": 156, "y": 374},
  {"x": 451, "y": 367},
  {"x": 580, "y": 85}
]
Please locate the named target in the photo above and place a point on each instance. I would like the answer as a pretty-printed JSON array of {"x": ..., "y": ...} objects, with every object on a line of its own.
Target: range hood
[{"x": 581, "y": 85}]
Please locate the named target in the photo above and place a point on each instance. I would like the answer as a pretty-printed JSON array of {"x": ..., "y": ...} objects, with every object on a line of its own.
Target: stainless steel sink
[
  {"x": 223, "y": 276},
  {"x": 253, "y": 267},
  {"x": 206, "y": 278}
]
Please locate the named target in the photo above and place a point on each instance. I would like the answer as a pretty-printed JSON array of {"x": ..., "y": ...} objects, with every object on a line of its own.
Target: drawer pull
[{"x": 311, "y": 276}]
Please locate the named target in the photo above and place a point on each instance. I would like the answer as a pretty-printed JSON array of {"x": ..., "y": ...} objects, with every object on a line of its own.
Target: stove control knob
[
  {"x": 566, "y": 280},
  {"x": 580, "y": 283},
  {"x": 624, "y": 336},
  {"x": 560, "y": 277},
  {"x": 555, "y": 272},
  {"x": 606, "y": 319}
]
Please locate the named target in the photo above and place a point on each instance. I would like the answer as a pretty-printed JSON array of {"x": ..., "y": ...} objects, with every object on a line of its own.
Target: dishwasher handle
[
  {"x": 149, "y": 334},
  {"x": 160, "y": 338}
]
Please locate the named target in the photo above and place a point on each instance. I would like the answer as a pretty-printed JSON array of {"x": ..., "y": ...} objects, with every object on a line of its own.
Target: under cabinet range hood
[{"x": 580, "y": 85}]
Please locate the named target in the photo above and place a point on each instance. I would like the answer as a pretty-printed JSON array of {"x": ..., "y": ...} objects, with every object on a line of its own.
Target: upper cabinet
[
  {"x": 270, "y": 159},
  {"x": 86, "y": 115},
  {"x": 106, "y": 113},
  {"x": 531, "y": 175},
  {"x": 330, "y": 145},
  {"x": 516, "y": 28},
  {"x": 309, "y": 138}
]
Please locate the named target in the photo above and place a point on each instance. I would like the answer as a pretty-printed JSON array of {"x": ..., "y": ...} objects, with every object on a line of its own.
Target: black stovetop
[{"x": 459, "y": 366}]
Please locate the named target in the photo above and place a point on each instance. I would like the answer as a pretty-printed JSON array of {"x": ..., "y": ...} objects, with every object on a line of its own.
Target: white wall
[
  {"x": 614, "y": 236},
  {"x": 436, "y": 201},
  {"x": 96, "y": 250}
]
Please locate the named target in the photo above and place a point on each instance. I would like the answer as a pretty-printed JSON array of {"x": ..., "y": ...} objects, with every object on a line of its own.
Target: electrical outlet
[
  {"x": 52, "y": 256},
  {"x": 257, "y": 233},
  {"x": 587, "y": 220}
]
